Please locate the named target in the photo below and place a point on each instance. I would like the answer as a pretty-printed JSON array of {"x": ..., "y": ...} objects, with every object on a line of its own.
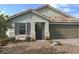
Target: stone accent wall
[{"x": 10, "y": 33}]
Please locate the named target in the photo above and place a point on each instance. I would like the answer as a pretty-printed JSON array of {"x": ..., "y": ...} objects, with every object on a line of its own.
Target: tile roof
[
  {"x": 55, "y": 9},
  {"x": 62, "y": 19},
  {"x": 51, "y": 19}
]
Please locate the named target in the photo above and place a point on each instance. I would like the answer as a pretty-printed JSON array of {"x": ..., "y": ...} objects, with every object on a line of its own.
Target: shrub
[
  {"x": 19, "y": 40},
  {"x": 12, "y": 39},
  {"x": 4, "y": 42},
  {"x": 28, "y": 38},
  {"x": 33, "y": 39}
]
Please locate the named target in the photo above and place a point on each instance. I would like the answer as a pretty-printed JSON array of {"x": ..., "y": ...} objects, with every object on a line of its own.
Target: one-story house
[{"x": 43, "y": 23}]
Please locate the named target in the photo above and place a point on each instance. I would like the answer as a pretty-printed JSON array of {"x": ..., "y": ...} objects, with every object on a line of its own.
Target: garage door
[{"x": 63, "y": 31}]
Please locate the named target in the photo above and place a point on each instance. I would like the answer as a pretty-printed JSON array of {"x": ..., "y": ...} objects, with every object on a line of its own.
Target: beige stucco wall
[{"x": 28, "y": 18}]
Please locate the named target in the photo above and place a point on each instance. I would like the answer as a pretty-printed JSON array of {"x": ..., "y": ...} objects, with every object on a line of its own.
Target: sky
[{"x": 10, "y": 9}]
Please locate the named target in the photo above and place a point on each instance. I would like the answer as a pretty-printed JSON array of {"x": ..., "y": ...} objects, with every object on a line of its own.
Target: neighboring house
[{"x": 43, "y": 23}]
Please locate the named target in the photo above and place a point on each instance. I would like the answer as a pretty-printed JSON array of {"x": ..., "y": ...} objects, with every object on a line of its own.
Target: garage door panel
[{"x": 63, "y": 31}]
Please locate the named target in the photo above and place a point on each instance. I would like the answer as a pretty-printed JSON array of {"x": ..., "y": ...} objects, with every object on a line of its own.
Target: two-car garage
[{"x": 64, "y": 31}]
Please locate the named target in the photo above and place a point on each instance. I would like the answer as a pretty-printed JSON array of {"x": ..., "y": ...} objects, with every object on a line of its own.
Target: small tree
[{"x": 3, "y": 25}]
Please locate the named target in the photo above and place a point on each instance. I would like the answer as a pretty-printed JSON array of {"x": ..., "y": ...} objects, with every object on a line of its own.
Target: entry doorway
[{"x": 39, "y": 29}]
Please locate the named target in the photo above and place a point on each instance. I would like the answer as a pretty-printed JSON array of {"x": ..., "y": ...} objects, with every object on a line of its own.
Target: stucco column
[
  {"x": 47, "y": 30},
  {"x": 10, "y": 33},
  {"x": 32, "y": 34}
]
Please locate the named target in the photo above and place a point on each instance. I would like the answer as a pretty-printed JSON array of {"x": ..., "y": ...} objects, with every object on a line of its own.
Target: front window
[{"x": 20, "y": 28}]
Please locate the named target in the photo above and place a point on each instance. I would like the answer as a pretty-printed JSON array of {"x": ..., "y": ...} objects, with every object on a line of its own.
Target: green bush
[
  {"x": 4, "y": 42},
  {"x": 19, "y": 40},
  {"x": 12, "y": 39},
  {"x": 28, "y": 38}
]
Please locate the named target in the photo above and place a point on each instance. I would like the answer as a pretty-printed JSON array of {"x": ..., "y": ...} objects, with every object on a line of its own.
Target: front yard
[{"x": 39, "y": 47}]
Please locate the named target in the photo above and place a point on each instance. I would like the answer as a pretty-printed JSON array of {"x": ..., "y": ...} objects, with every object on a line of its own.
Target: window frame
[
  {"x": 18, "y": 28},
  {"x": 28, "y": 28}
]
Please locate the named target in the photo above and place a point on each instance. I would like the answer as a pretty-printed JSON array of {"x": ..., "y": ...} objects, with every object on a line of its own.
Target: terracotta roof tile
[{"x": 62, "y": 19}]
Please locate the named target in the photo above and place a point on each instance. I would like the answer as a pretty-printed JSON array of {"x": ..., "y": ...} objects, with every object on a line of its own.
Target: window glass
[{"x": 20, "y": 28}]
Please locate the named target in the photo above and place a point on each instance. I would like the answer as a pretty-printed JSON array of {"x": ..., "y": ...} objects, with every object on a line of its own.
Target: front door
[{"x": 39, "y": 28}]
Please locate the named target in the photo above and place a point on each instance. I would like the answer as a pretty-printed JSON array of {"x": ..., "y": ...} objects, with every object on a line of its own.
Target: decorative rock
[{"x": 55, "y": 43}]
